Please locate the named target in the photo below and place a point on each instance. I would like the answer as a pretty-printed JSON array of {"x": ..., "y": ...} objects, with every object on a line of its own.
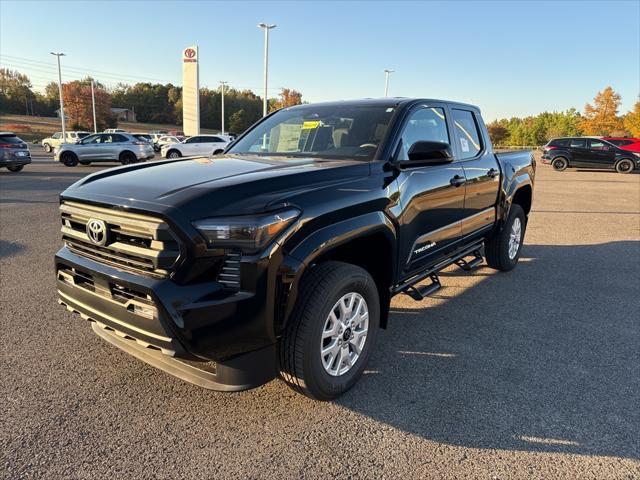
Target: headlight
[{"x": 248, "y": 232}]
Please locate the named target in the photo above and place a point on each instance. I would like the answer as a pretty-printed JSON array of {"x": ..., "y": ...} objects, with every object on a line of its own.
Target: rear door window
[
  {"x": 466, "y": 133},
  {"x": 598, "y": 145},
  {"x": 578, "y": 143}
]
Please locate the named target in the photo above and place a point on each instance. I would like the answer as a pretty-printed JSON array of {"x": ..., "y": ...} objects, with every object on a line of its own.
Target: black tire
[
  {"x": 218, "y": 152},
  {"x": 559, "y": 164},
  {"x": 69, "y": 159},
  {"x": 127, "y": 158},
  {"x": 15, "y": 168},
  {"x": 47, "y": 148},
  {"x": 625, "y": 165},
  {"x": 299, "y": 349},
  {"x": 496, "y": 249},
  {"x": 173, "y": 154},
  {"x": 84, "y": 162}
]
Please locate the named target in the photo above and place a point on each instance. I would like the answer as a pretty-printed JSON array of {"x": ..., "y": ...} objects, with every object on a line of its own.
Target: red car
[{"x": 630, "y": 144}]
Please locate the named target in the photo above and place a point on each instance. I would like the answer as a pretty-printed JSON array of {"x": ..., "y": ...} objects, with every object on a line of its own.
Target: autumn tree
[
  {"x": 497, "y": 132},
  {"x": 287, "y": 98},
  {"x": 78, "y": 106},
  {"x": 601, "y": 118},
  {"x": 632, "y": 121}
]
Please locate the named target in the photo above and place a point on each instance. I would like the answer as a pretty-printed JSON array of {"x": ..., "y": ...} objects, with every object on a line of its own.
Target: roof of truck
[{"x": 387, "y": 101}]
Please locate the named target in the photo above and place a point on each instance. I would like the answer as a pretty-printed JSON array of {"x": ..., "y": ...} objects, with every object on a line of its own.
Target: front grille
[
  {"x": 229, "y": 275},
  {"x": 137, "y": 243}
]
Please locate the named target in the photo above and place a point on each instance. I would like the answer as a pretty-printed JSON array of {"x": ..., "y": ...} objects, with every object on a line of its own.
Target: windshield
[{"x": 319, "y": 131}]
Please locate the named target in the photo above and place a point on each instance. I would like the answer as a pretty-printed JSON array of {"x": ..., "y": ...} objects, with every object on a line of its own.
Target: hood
[{"x": 219, "y": 185}]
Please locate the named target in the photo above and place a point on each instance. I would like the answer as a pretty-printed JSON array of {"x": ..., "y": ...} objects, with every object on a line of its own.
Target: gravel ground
[{"x": 530, "y": 374}]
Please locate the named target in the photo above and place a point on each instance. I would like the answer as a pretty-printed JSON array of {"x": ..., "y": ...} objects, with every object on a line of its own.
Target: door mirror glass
[{"x": 430, "y": 153}]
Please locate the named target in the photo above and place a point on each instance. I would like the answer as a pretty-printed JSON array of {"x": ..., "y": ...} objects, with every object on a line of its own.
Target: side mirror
[{"x": 428, "y": 153}]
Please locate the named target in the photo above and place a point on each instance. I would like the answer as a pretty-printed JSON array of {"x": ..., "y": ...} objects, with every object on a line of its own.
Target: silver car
[{"x": 104, "y": 147}]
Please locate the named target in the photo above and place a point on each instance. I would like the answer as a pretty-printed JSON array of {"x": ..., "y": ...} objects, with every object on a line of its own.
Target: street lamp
[
  {"x": 222, "y": 85},
  {"x": 58, "y": 55},
  {"x": 387, "y": 72},
  {"x": 266, "y": 27}
]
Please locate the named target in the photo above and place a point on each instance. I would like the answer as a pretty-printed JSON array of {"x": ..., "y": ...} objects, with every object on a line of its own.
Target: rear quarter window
[{"x": 562, "y": 142}]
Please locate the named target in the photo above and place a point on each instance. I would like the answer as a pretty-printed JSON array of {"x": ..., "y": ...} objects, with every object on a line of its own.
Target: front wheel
[
  {"x": 173, "y": 154},
  {"x": 47, "y": 148},
  {"x": 503, "y": 250},
  {"x": 624, "y": 166},
  {"x": 15, "y": 168},
  {"x": 69, "y": 159},
  {"x": 330, "y": 335}
]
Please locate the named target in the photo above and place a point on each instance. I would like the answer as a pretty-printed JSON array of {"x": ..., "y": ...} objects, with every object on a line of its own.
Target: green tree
[
  {"x": 497, "y": 132},
  {"x": 239, "y": 122}
]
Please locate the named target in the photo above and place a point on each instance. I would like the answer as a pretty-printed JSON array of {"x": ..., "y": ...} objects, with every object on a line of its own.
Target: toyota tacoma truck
[{"x": 279, "y": 257}]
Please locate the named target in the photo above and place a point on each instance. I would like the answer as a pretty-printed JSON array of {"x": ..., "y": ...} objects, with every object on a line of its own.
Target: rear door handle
[
  {"x": 493, "y": 173},
  {"x": 457, "y": 180}
]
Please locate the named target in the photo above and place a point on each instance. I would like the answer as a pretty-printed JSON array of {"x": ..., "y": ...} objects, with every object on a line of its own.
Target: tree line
[
  {"x": 151, "y": 102},
  {"x": 162, "y": 103},
  {"x": 601, "y": 117}
]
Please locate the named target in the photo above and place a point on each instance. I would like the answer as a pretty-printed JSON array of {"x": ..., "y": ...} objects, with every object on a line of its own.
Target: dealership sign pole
[{"x": 190, "y": 91}]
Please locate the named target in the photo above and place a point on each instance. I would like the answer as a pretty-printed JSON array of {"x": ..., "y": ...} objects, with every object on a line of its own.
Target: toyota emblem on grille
[{"x": 97, "y": 232}]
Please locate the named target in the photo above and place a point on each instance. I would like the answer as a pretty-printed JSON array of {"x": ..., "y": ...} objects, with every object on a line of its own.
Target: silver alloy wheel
[
  {"x": 344, "y": 334},
  {"x": 514, "y": 238}
]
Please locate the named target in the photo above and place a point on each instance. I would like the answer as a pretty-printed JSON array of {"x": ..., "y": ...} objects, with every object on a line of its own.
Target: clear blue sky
[{"x": 510, "y": 58}]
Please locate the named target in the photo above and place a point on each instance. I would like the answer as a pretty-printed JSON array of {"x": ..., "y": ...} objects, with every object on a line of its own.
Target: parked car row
[
  {"x": 620, "y": 154},
  {"x": 125, "y": 148}
]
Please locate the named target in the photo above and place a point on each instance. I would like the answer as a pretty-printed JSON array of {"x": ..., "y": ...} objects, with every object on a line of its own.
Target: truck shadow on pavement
[{"x": 544, "y": 358}]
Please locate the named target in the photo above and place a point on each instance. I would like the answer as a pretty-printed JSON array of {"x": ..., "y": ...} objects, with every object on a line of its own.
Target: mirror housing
[{"x": 423, "y": 153}]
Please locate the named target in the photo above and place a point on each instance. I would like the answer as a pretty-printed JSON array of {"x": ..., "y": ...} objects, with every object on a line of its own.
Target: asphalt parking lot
[{"x": 529, "y": 374}]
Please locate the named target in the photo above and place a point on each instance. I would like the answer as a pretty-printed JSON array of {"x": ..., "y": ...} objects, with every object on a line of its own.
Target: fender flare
[
  {"x": 302, "y": 256},
  {"x": 517, "y": 182}
]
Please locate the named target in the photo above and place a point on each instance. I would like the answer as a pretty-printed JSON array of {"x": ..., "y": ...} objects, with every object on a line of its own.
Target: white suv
[
  {"x": 55, "y": 140},
  {"x": 200, "y": 145}
]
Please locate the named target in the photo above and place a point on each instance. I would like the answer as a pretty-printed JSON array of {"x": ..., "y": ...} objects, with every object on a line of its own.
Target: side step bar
[{"x": 420, "y": 292}]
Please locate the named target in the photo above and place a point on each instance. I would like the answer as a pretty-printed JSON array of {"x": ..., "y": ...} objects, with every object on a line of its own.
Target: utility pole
[
  {"x": 266, "y": 27},
  {"x": 222, "y": 86},
  {"x": 93, "y": 103},
  {"x": 387, "y": 72},
  {"x": 64, "y": 135}
]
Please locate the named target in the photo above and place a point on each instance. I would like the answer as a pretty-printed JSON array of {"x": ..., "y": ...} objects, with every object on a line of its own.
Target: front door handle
[
  {"x": 457, "y": 180},
  {"x": 493, "y": 173}
]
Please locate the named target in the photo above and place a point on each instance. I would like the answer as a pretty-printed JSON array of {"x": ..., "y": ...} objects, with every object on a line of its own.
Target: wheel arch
[
  {"x": 124, "y": 152},
  {"x": 368, "y": 241}
]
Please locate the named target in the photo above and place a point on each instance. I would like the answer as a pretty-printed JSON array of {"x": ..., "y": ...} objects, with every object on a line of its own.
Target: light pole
[
  {"x": 58, "y": 55},
  {"x": 222, "y": 85},
  {"x": 266, "y": 27},
  {"x": 93, "y": 103},
  {"x": 387, "y": 72}
]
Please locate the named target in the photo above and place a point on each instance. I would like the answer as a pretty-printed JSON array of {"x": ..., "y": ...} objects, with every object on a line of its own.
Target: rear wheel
[
  {"x": 127, "y": 158},
  {"x": 560, "y": 164},
  {"x": 47, "y": 148},
  {"x": 15, "y": 168},
  {"x": 330, "y": 336},
  {"x": 503, "y": 250},
  {"x": 173, "y": 154},
  {"x": 69, "y": 159},
  {"x": 625, "y": 166}
]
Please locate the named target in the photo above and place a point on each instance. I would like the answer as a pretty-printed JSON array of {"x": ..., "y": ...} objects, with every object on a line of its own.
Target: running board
[{"x": 419, "y": 293}]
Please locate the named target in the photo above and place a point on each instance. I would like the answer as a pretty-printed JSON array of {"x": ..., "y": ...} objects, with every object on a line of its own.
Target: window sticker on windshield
[
  {"x": 310, "y": 124},
  {"x": 288, "y": 138},
  {"x": 464, "y": 144}
]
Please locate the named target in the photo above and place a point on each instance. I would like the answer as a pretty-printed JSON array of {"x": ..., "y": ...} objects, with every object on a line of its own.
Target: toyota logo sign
[
  {"x": 97, "y": 232},
  {"x": 189, "y": 53}
]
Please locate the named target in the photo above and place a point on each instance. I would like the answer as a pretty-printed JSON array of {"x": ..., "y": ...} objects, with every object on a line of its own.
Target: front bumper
[{"x": 157, "y": 317}]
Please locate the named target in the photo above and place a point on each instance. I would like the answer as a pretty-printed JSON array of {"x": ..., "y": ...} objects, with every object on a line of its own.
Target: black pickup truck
[{"x": 280, "y": 256}]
